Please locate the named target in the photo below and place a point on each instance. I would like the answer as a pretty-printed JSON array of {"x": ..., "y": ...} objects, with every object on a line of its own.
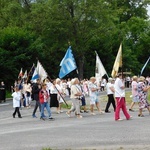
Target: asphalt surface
[{"x": 99, "y": 132}]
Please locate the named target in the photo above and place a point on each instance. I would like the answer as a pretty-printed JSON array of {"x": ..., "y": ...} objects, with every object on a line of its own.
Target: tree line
[{"x": 44, "y": 29}]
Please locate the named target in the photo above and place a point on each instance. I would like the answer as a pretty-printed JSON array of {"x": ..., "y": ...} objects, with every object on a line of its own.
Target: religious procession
[{"x": 48, "y": 93}]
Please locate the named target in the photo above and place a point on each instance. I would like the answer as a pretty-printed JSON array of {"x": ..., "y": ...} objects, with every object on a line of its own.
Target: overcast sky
[{"x": 148, "y": 10}]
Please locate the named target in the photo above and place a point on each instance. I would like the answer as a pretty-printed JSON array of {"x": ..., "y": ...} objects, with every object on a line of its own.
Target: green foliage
[
  {"x": 8, "y": 93},
  {"x": 44, "y": 29},
  {"x": 15, "y": 52}
]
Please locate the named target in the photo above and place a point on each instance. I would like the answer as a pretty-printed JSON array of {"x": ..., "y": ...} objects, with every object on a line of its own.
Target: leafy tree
[
  {"x": 44, "y": 29},
  {"x": 16, "y": 51}
]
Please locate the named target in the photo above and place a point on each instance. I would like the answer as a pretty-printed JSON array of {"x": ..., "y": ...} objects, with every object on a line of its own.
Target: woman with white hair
[
  {"x": 27, "y": 89},
  {"x": 110, "y": 93},
  {"x": 93, "y": 91},
  {"x": 142, "y": 95},
  {"x": 134, "y": 86},
  {"x": 60, "y": 94},
  {"x": 54, "y": 96},
  {"x": 76, "y": 93}
]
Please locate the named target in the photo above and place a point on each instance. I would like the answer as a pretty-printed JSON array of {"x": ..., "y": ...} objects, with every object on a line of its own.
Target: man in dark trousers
[
  {"x": 2, "y": 92},
  {"x": 36, "y": 87}
]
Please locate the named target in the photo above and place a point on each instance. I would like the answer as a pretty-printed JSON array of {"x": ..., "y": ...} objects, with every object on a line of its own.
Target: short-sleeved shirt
[
  {"x": 108, "y": 86},
  {"x": 134, "y": 88},
  {"x": 119, "y": 92}
]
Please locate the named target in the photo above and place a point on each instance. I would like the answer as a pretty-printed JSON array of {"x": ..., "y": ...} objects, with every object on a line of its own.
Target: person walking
[
  {"x": 27, "y": 93},
  {"x": 134, "y": 86},
  {"x": 16, "y": 101},
  {"x": 36, "y": 87},
  {"x": 44, "y": 97},
  {"x": 76, "y": 93},
  {"x": 54, "y": 96},
  {"x": 60, "y": 94},
  {"x": 142, "y": 95},
  {"x": 93, "y": 92},
  {"x": 110, "y": 93},
  {"x": 103, "y": 84},
  {"x": 120, "y": 98}
]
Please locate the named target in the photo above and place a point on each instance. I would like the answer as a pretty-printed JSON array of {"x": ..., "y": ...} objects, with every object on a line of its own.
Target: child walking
[{"x": 16, "y": 101}]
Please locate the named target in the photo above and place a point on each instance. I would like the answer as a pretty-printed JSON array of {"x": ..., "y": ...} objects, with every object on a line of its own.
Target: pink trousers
[{"x": 121, "y": 104}]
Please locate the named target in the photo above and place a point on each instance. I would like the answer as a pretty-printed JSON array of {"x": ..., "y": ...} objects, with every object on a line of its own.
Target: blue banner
[
  {"x": 145, "y": 65},
  {"x": 67, "y": 64}
]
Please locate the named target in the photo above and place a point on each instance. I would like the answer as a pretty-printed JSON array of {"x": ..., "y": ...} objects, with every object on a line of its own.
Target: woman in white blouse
[{"x": 76, "y": 93}]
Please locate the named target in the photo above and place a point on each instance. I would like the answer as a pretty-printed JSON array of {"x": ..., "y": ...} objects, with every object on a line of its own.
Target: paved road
[{"x": 99, "y": 132}]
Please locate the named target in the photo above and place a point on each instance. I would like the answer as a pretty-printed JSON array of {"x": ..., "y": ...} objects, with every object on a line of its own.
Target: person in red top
[{"x": 44, "y": 97}]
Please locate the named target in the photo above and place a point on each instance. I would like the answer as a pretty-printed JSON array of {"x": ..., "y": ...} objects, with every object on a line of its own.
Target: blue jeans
[{"x": 45, "y": 104}]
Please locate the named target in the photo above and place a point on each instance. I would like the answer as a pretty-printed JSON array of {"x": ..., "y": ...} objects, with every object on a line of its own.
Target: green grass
[
  {"x": 8, "y": 94},
  {"x": 46, "y": 149},
  {"x": 128, "y": 98},
  {"x": 65, "y": 106}
]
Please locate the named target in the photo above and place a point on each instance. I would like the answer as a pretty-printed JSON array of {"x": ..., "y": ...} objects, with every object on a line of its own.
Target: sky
[{"x": 148, "y": 10}]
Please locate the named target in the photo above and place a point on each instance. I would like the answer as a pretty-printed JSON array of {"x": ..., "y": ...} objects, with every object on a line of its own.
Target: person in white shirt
[
  {"x": 110, "y": 93},
  {"x": 16, "y": 101},
  {"x": 27, "y": 89},
  {"x": 93, "y": 92},
  {"x": 60, "y": 94},
  {"x": 54, "y": 96},
  {"x": 134, "y": 86},
  {"x": 120, "y": 98},
  {"x": 76, "y": 93},
  {"x": 103, "y": 84}
]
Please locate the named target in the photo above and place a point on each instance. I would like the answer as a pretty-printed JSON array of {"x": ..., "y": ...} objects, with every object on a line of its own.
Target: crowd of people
[{"x": 50, "y": 94}]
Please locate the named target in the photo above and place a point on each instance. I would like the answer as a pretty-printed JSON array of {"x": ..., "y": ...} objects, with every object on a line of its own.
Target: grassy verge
[{"x": 8, "y": 94}]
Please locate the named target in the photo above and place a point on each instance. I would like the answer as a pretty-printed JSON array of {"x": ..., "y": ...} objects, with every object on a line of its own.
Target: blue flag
[
  {"x": 67, "y": 64},
  {"x": 35, "y": 75},
  {"x": 145, "y": 65}
]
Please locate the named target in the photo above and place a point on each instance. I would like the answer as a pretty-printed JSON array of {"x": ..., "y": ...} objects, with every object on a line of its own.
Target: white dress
[{"x": 16, "y": 99}]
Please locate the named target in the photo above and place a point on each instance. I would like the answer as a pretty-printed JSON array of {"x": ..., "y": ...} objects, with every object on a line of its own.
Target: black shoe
[
  {"x": 19, "y": 117},
  {"x": 42, "y": 118},
  {"x": 140, "y": 115},
  {"x": 13, "y": 116},
  {"x": 85, "y": 111},
  {"x": 108, "y": 111},
  {"x": 131, "y": 110},
  {"x": 51, "y": 118}
]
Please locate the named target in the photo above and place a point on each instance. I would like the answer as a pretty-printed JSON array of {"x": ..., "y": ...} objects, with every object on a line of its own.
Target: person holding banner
[
  {"x": 59, "y": 95},
  {"x": 120, "y": 98},
  {"x": 54, "y": 96},
  {"x": 76, "y": 95}
]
